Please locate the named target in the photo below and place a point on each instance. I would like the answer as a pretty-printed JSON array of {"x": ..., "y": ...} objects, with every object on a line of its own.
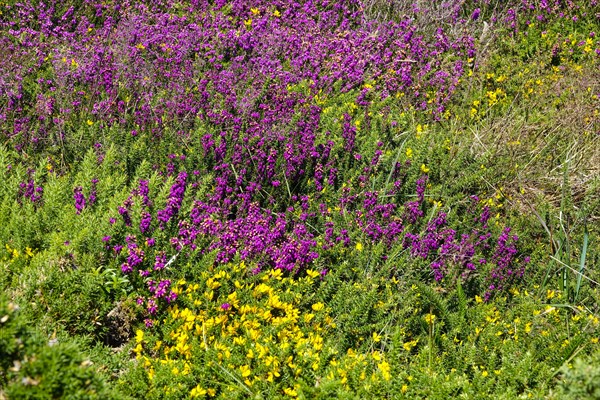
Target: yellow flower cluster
[
  {"x": 14, "y": 253},
  {"x": 254, "y": 333},
  {"x": 233, "y": 334}
]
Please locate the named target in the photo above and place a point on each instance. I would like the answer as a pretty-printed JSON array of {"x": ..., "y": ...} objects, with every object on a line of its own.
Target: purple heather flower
[
  {"x": 79, "y": 199},
  {"x": 171, "y": 297},
  {"x": 152, "y": 307},
  {"x": 145, "y": 222},
  {"x": 126, "y": 268}
]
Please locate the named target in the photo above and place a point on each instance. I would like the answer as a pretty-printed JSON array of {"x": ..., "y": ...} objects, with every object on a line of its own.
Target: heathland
[{"x": 305, "y": 199}]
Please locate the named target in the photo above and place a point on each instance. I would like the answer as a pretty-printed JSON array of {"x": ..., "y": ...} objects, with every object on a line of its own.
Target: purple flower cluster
[
  {"x": 507, "y": 268},
  {"x": 132, "y": 72},
  {"x": 173, "y": 202},
  {"x": 79, "y": 197},
  {"x": 258, "y": 235},
  {"x": 29, "y": 191}
]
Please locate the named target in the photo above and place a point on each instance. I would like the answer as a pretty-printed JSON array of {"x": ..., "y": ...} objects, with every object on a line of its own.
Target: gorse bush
[{"x": 314, "y": 199}]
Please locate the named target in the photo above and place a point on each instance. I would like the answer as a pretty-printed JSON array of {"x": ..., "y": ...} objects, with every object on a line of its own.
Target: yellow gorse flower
[{"x": 430, "y": 318}]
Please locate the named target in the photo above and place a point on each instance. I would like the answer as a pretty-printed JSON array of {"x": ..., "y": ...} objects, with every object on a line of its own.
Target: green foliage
[
  {"x": 579, "y": 379},
  {"x": 32, "y": 367}
]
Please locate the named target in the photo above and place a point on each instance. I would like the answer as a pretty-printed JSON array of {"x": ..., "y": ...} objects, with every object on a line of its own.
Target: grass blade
[{"x": 584, "y": 248}]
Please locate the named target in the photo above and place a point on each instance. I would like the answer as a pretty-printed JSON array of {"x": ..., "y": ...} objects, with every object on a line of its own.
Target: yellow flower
[
  {"x": 239, "y": 340},
  {"x": 311, "y": 273},
  {"x": 277, "y": 274},
  {"x": 139, "y": 336},
  {"x": 409, "y": 152},
  {"x": 409, "y": 345},
  {"x": 359, "y": 246},
  {"x": 198, "y": 391},
  {"x": 384, "y": 367},
  {"x": 430, "y": 318},
  {"x": 376, "y": 337},
  {"x": 318, "y": 306},
  {"x": 138, "y": 350},
  {"x": 245, "y": 371},
  {"x": 425, "y": 169}
]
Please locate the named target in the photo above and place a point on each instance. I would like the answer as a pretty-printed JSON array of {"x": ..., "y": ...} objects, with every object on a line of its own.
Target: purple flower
[
  {"x": 152, "y": 307},
  {"x": 126, "y": 268},
  {"x": 171, "y": 297},
  {"x": 145, "y": 222}
]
